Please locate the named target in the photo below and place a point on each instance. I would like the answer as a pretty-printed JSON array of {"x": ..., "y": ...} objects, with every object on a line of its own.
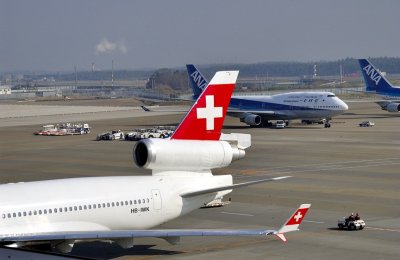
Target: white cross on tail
[
  {"x": 209, "y": 112},
  {"x": 298, "y": 216}
]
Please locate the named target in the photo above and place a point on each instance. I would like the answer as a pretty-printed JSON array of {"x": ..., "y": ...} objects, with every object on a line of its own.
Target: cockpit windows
[{"x": 331, "y": 95}]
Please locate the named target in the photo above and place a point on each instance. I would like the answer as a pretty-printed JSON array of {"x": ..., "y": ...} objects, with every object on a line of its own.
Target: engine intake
[
  {"x": 251, "y": 119},
  {"x": 393, "y": 107},
  {"x": 162, "y": 154}
]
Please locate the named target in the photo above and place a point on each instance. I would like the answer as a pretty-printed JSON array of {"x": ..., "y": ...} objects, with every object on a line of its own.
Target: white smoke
[{"x": 106, "y": 46}]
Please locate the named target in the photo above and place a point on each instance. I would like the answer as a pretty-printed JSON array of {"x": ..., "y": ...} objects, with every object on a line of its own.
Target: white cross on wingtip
[{"x": 298, "y": 216}]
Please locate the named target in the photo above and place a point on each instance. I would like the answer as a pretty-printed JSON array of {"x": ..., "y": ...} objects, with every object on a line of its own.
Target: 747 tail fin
[
  {"x": 197, "y": 81},
  {"x": 373, "y": 78}
]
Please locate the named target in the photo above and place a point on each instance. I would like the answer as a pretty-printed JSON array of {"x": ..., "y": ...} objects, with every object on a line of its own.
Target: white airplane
[
  {"x": 119, "y": 209},
  {"x": 258, "y": 110}
]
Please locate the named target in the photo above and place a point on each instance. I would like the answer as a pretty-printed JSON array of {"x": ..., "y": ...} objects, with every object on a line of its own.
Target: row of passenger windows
[
  {"x": 328, "y": 106},
  {"x": 74, "y": 208}
]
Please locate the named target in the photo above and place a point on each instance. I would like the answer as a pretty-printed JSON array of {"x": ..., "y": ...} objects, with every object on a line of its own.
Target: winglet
[
  {"x": 281, "y": 236},
  {"x": 197, "y": 81},
  {"x": 293, "y": 222},
  {"x": 204, "y": 120}
]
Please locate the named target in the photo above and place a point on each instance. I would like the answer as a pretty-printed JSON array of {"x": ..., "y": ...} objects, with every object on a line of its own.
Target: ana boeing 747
[{"x": 258, "y": 110}]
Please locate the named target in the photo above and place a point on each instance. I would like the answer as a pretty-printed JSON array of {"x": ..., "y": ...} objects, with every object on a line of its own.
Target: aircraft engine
[
  {"x": 251, "y": 119},
  {"x": 162, "y": 154},
  {"x": 393, "y": 107}
]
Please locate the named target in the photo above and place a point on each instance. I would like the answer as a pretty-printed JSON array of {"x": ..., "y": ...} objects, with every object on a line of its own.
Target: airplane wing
[
  {"x": 230, "y": 111},
  {"x": 147, "y": 109},
  {"x": 265, "y": 114},
  {"x": 171, "y": 235},
  {"x": 256, "y": 112}
]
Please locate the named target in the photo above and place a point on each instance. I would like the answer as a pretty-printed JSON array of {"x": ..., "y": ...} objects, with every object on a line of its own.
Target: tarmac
[{"x": 339, "y": 170}]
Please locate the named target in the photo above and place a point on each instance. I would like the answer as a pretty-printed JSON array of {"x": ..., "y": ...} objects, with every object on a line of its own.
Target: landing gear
[
  {"x": 265, "y": 123},
  {"x": 327, "y": 123}
]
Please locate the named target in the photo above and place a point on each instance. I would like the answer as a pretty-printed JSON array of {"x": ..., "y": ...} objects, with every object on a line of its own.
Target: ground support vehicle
[
  {"x": 366, "y": 124},
  {"x": 216, "y": 203},
  {"x": 64, "y": 129},
  {"x": 280, "y": 124},
  {"x": 344, "y": 223},
  {"x": 153, "y": 133},
  {"x": 114, "y": 135}
]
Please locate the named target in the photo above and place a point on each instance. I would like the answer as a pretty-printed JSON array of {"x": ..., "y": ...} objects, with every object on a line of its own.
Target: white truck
[{"x": 280, "y": 124}]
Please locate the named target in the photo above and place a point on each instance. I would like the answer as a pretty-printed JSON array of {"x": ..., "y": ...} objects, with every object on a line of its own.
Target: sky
[{"x": 56, "y": 35}]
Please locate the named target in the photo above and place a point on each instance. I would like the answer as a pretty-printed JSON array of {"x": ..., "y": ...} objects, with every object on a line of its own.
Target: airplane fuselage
[
  {"x": 100, "y": 203},
  {"x": 293, "y": 105},
  {"x": 389, "y": 93}
]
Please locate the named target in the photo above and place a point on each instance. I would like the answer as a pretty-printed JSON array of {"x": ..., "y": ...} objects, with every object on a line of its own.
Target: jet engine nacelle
[
  {"x": 393, "y": 107},
  {"x": 183, "y": 155},
  {"x": 251, "y": 119}
]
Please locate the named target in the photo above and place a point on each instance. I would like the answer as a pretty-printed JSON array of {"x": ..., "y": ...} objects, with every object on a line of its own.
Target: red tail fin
[{"x": 204, "y": 120}]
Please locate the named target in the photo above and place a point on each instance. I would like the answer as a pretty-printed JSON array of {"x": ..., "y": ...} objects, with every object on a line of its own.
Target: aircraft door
[{"x": 157, "y": 201}]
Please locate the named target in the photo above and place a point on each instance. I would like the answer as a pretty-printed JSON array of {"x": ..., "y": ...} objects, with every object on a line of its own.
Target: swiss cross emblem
[
  {"x": 298, "y": 216},
  {"x": 210, "y": 112}
]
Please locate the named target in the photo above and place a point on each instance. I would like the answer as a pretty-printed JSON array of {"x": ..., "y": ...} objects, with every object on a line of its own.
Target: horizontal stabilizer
[{"x": 230, "y": 187}]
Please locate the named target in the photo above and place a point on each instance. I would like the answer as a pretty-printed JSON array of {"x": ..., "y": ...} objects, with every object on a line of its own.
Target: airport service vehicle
[
  {"x": 310, "y": 122},
  {"x": 366, "y": 124},
  {"x": 114, "y": 135},
  {"x": 135, "y": 134},
  {"x": 117, "y": 135},
  {"x": 102, "y": 136},
  {"x": 156, "y": 132},
  {"x": 323, "y": 121},
  {"x": 377, "y": 83},
  {"x": 351, "y": 225},
  {"x": 81, "y": 129},
  {"x": 280, "y": 124},
  {"x": 153, "y": 133},
  {"x": 119, "y": 209},
  {"x": 64, "y": 129},
  {"x": 216, "y": 203},
  {"x": 132, "y": 136},
  {"x": 167, "y": 131},
  {"x": 51, "y": 130},
  {"x": 258, "y": 110}
]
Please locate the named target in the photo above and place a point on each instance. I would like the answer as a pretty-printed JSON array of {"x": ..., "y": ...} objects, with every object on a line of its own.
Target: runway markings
[
  {"x": 318, "y": 167},
  {"x": 383, "y": 229},
  {"x": 335, "y": 163},
  {"x": 313, "y": 221},
  {"x": 239, "y": 214}
]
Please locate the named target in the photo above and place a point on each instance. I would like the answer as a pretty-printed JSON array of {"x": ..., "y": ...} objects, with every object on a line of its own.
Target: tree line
[{"x": 174, "y": 77}]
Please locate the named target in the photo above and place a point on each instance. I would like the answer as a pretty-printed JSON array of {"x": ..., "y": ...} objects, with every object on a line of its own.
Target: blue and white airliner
[
  {"x": 376, "y": 82},
  {"x": 258, "y": 110}
]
